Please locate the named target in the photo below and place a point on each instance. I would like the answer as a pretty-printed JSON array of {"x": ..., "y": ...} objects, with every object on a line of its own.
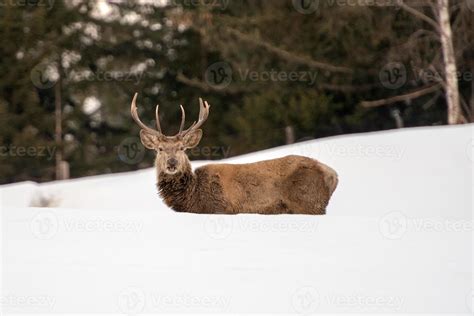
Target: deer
[{"x": 288, "y": 185}]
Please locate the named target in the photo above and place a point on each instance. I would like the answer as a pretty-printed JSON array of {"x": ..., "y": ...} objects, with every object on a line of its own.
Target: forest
[{"x": 275, "y": 72}]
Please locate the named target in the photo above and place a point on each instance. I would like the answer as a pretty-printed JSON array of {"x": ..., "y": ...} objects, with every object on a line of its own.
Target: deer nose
[{"x": 172, "y": 162}]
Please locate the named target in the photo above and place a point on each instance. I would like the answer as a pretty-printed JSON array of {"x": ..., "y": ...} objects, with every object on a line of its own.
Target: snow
[{"x": 397, "y": 239}]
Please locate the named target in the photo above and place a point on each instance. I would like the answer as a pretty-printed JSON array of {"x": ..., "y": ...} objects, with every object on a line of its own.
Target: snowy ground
[{"x": 397, "y": 238}]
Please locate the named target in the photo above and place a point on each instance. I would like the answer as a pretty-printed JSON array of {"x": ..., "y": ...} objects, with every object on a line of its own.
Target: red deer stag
[{"x": 287, "y": 185}]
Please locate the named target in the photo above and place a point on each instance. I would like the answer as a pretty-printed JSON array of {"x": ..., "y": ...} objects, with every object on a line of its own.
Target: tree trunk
[
  {"x": 62, "y": 167},
  {"x": 472, "y": 94},
  {"x": 450, "y": 69},
  {"x": 397, "y": 117},
  {"x": 289, "y": 134}
]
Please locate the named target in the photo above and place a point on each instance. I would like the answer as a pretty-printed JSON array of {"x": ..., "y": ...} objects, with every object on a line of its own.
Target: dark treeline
[{"x": 274, "y": 72}]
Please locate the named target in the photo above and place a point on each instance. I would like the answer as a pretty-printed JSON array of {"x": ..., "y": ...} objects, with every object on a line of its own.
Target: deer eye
[
  {"x": 160, "y": 148},
  {"x": 181, "y": 148}
]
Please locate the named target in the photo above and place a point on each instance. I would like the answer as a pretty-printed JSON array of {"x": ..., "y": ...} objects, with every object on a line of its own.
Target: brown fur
[{"x": 288, "y": 185}]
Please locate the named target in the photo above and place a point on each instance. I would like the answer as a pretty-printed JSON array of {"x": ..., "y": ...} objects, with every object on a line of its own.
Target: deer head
[{"x": 170, "y": 150}]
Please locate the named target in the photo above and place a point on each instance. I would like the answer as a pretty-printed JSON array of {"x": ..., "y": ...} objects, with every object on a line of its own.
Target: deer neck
[{"x": 177, "y": 190}]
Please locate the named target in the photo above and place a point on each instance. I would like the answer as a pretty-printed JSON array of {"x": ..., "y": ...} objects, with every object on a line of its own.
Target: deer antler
[
  {"x": 203, "y": 114},
  {"x": 133, "y": 111},
  {"x": 183, "y": 118}
]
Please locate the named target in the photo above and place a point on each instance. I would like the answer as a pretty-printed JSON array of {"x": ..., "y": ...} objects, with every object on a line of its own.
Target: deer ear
[
  {"x": 148, "y": 140},
  {"x": 193, "y": 138}
]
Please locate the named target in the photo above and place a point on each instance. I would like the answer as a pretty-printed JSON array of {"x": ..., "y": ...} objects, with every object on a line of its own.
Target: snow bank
[
  {"x": 397, "y": 238},
  {"x": 423, "y": 171}
]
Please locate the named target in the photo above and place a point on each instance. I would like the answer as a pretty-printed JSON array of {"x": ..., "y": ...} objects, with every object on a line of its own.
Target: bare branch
[
  {"x": 420, "y": 15},
  {"x": 409, "y": 96},
  {"x": 304, "y": 60},
  {"x": 426, "y": 105},
  {"x": 467, "y": 110},
  {"x": 346, "y": 88},
  {"x": 205, "y": 87}
]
